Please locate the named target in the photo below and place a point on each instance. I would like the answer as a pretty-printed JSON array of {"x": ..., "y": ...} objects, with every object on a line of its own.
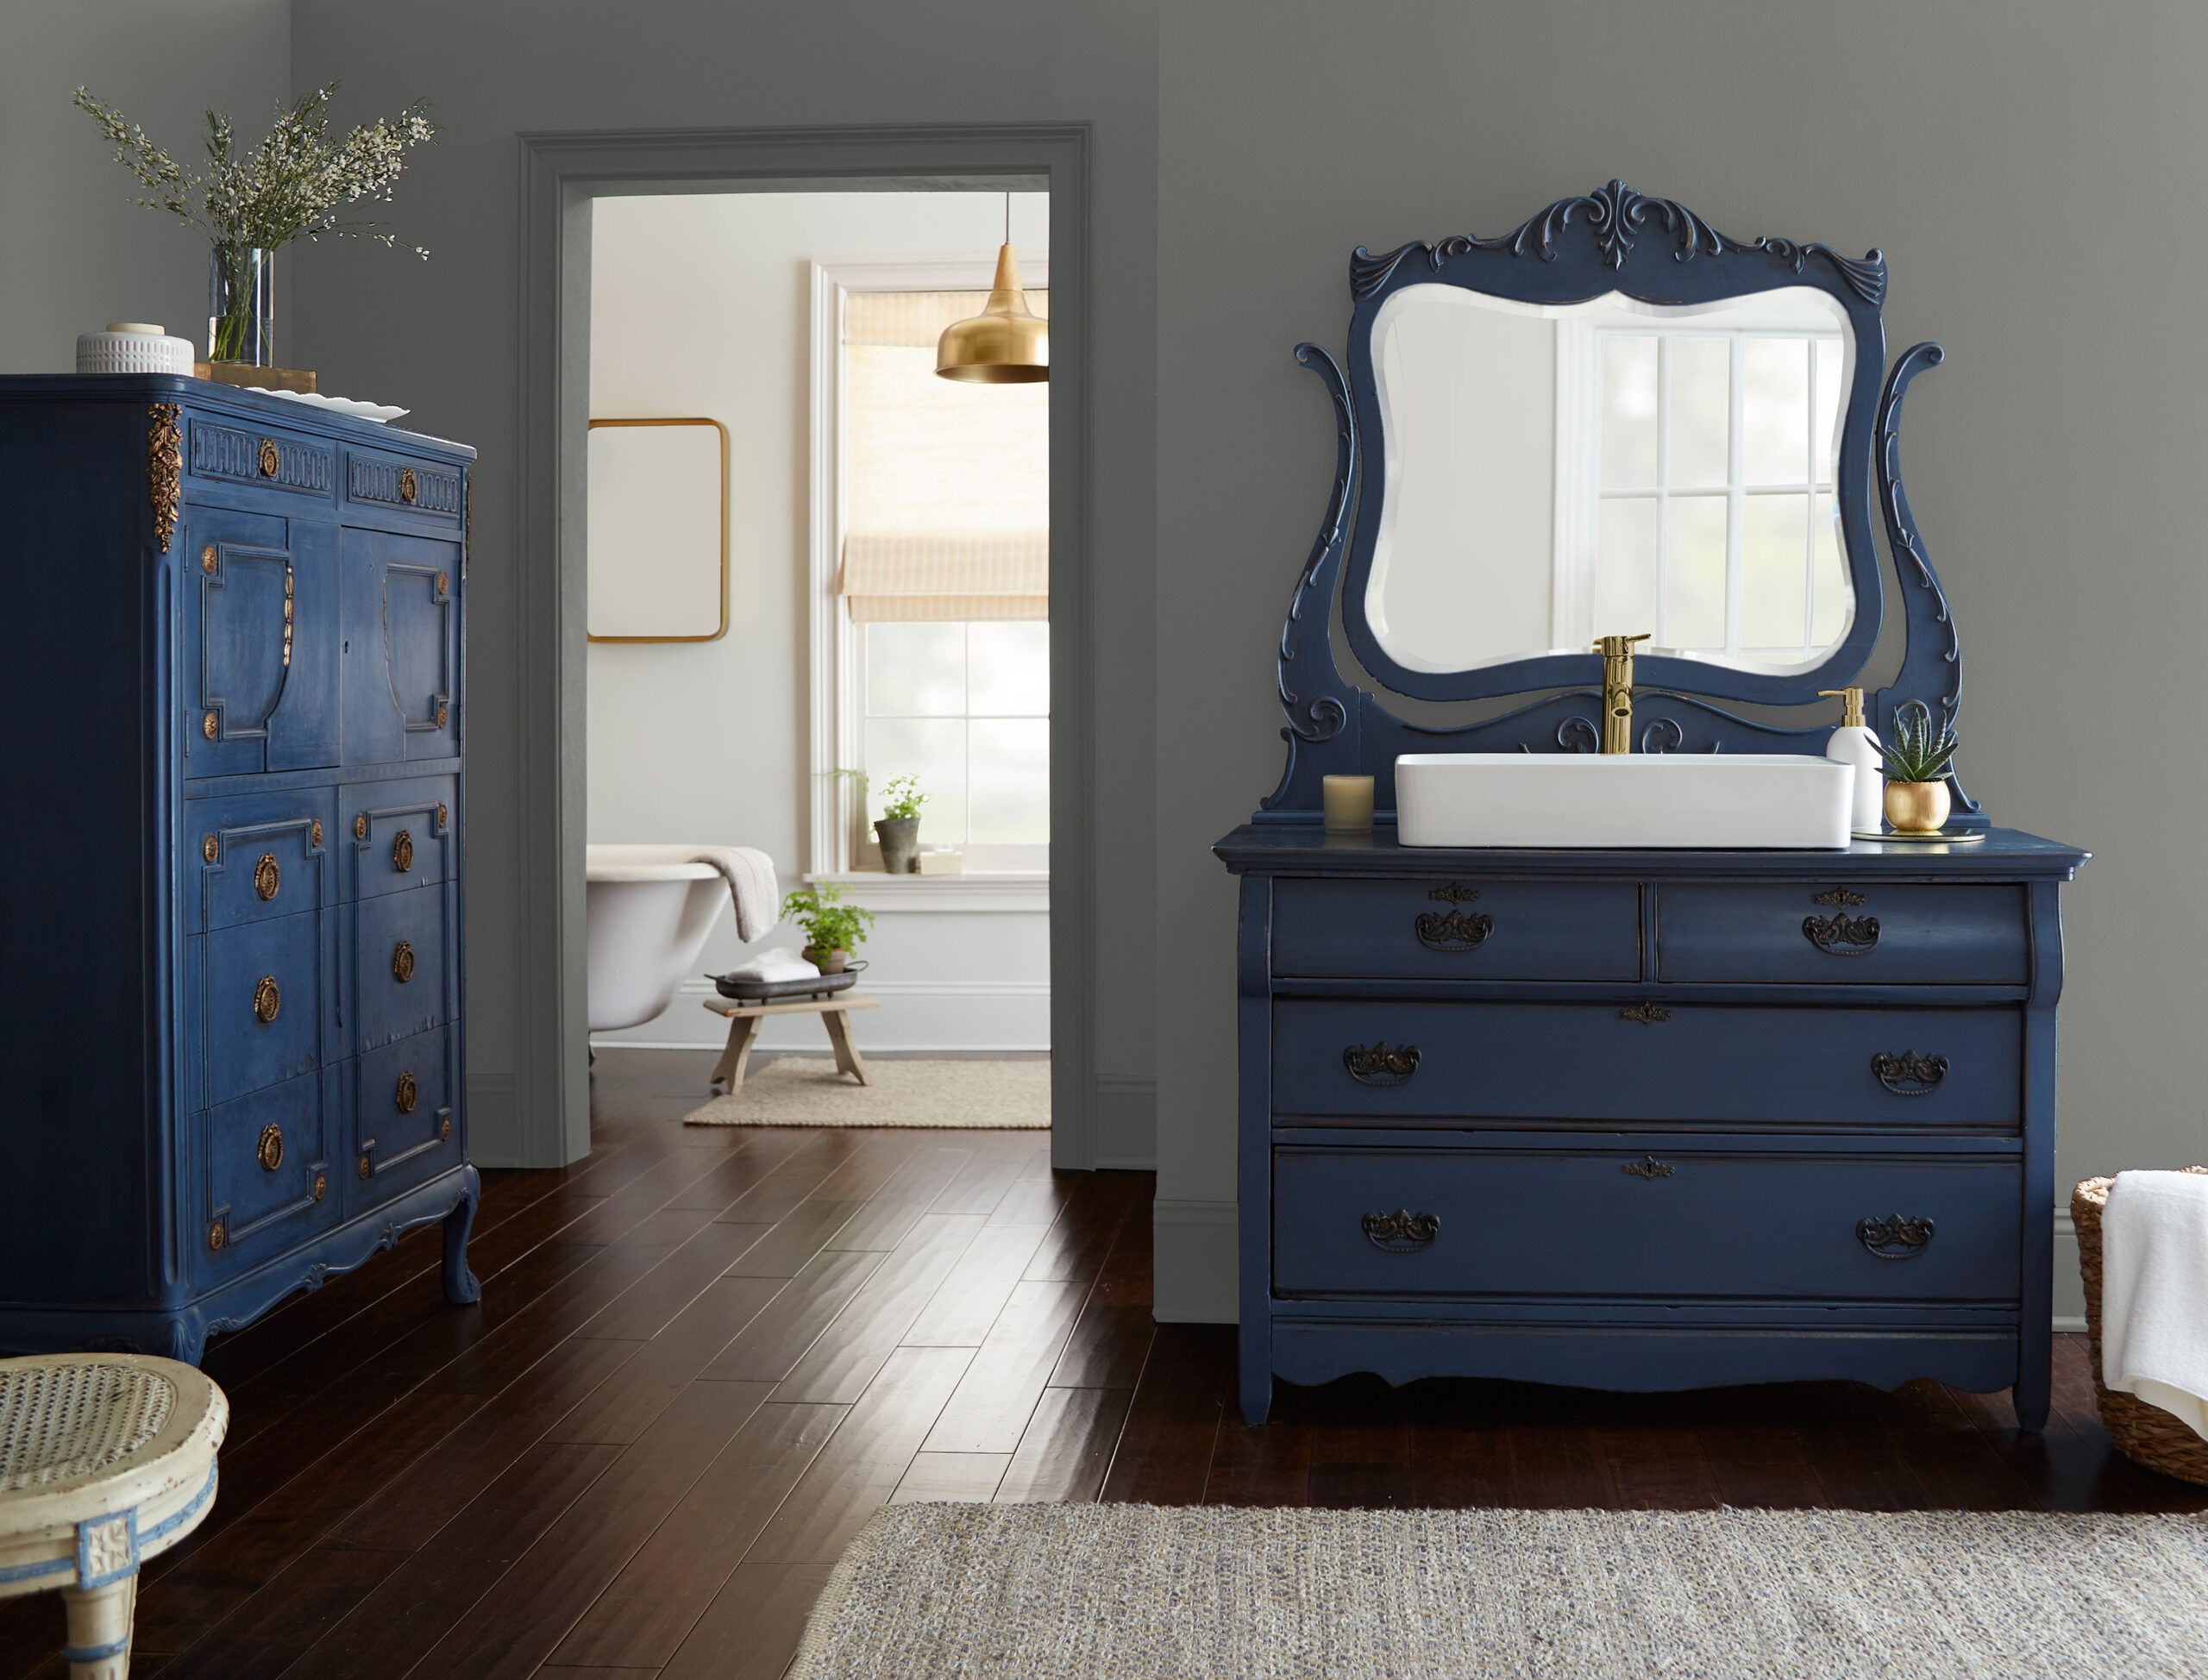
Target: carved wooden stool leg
[
  {"x": 847, "y": 1053},
  {"x": 729, "y": 1071},
  {"x": 99, "y": 1630}
]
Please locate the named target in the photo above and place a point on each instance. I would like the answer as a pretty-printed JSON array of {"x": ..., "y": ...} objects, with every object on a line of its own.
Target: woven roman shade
[{"x": 947, "y": 498}]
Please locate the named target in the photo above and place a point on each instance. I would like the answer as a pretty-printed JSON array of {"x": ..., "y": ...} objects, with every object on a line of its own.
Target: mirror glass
[
  {"x": 657, "y": 530},
  {"x": 1558, "y": 472}
]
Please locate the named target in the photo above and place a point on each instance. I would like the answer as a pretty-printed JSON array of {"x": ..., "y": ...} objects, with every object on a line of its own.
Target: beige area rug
[
  {"x": 1082, "y": 1591},
  {"x": 805, "y": 1090}
]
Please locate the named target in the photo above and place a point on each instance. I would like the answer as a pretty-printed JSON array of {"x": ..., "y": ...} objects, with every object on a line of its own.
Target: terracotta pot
[
  {"x": 1917, "y": 807},
  {"x": 829, "y": 963},
  {"x": 900, "y": 843}
]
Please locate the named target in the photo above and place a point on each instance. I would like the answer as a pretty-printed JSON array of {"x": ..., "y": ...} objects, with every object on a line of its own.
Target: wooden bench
[{"x": 744, "y": 1020}]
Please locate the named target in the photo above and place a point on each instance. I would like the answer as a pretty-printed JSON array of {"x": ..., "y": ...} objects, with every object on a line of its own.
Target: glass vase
[{"x": 242, "y": 304}]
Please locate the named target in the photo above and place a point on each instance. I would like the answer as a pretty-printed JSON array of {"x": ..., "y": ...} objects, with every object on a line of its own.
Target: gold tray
[{"x": 1963, "y": 837}]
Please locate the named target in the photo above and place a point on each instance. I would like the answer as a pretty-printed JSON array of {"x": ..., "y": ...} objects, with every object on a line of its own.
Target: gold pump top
[{"x": 1851, "y": 706}]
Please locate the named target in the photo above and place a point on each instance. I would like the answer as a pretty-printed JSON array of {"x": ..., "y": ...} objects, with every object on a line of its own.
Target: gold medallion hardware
[
  {"x": 266, "y": 1000},
  {"x": 210, "y": 725},
  {"x": 361, "y": 826},
  {"x": 364, "y": 1168},
  {"x": 402, "y": 962},
  {"x": 268, "y": 458},
  {"x": 266, "y": 878},
  {"x": 402, "y": 852},
  {"x": 210, "y": 848},
  {"x": 407, "y": 1094},
  {"x": 216, "y": 1236},
  {"x": 314, "y": 832},
  {"x": 1839, "y": 899},
  {"x": 444, "y": 1130},
  {"x": 321, "y": 1186},
  {"x": 443, "y": 817},
  {"x": 270, "y": 1152},
  {"x": 207, "y": 558},
  {"x": 164, "y": 469},
  {"x": 444, "y": 584},
  {"x": 409, "y": 487},
  {"x": 442, "y": 715}
]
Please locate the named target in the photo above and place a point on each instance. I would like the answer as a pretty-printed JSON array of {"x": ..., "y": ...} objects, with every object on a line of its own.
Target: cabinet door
[
  {"x": 401, "y": 641},
  {"x": 260, "y": 643}
]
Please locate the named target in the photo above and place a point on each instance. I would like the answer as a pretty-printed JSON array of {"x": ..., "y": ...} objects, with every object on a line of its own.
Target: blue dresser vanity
[
  {"x": 232, "y": 1010},
  {"x": 1619, "y": 1118}
]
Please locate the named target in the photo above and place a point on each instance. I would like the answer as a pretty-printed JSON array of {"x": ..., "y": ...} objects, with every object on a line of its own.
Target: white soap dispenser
[{"x": 1853, "y": 744}]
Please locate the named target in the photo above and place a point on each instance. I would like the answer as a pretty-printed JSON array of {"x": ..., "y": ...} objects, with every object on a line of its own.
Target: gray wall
[
  {"x": 2027, "y": 169},
  {"x": 441, "y": 336},
  {"x": 76, "y": 252}
]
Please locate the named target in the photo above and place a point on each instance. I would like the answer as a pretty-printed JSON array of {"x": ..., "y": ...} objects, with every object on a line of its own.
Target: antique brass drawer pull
[
  {"x": 321, "y": 1186},
  {"x": 363, "y": 1167},
  {"x": 217, "y": 1234},
  {"x": 210, "y": 726},
  {"x": 1842, "y": 936},
  {"x": 402, "y": 962},
  {"x": 402, "y": 852},
  {"x": 266, "y": 1000},
  {"x": 1649, "y": 1167},
  {"x": 270, "y": 1151},
  {"x": 1453, "y": 930},
  {"x": 444, "y": 1130},
  {"x": 1402, "y": 1232},
  {"x": 268, "y": 878},
  {"x": 1647, "y": 1014},
  {"x": 269, "y": 459},
  {"x": 1375, "y": 1064},
  {"x": 409, "y": 486},
  {"x": 1895, "y": 1237},
  {"x": 407, "y": 1095},
  {"x": 314, "y": 832},
  {"x": 1909, "y": 1074}
]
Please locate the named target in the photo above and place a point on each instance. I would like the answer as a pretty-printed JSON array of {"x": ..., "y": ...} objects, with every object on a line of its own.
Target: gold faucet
[{"x": 1617, "y": 690}]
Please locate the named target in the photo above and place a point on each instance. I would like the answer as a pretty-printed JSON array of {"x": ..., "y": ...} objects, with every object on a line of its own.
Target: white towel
[
  {"x": 2155, "y": 1292},
  {"x": 775, "y": 962},
  {"x": 749, "y": 874}
]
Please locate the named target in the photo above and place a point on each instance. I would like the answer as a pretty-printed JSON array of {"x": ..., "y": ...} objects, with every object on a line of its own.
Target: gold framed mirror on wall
[{"x": 657, "y": 530}]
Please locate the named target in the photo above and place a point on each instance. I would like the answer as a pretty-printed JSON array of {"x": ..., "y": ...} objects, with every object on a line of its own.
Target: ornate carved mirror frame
[{"x": 1656, "y": 250}]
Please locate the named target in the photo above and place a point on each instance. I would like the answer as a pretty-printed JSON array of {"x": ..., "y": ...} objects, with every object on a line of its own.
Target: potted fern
[
  {"x": 832, "y": 929},
  {"x": 1917, "y": 770},
  {"x": 898, "y": 828}
]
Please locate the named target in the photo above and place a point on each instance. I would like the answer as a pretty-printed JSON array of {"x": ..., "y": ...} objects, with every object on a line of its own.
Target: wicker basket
[{"x": 2145, "y": 1434}]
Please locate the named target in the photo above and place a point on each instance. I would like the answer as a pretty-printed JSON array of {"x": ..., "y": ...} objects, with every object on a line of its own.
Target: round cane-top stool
[{"x": 106, "y": 1459}]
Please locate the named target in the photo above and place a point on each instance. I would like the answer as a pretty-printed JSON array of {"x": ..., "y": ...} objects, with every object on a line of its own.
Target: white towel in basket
[
  {"x": 2155, "y": 1292},
  {"x": 749, "y": 874}
]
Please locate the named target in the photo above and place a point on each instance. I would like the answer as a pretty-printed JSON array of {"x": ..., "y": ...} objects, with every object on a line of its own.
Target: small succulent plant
[{"x": 1917, "y": 752}]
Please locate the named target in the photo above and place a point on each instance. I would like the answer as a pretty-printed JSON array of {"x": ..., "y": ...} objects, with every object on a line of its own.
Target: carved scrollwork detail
[
  {"x": 1842, "y": 935},
  {"x": 1909, "y": 1074},
  {"x": 1662, "y": 735},
  {"x": 1453, "y": 930},
  {"x": 1578, "y": 734},
  {"x": 1454, "y": 893},
  {"x": 1402, "y": 1232},
  {"x": 1321, "y": 719},
  {"x": 1895, "y": 1237},
  {"x": 1648, "y": 1014},
  {"x": 1648, "y": 1167},
  {"x": 1839, "y": 898},
  {"x": 1377, "y": 1065},
  {"x": 164, "y": 469}
]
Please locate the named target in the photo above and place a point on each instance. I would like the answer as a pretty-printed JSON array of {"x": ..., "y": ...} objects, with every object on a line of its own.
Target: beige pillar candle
[{"x": 1349, "y": 804}]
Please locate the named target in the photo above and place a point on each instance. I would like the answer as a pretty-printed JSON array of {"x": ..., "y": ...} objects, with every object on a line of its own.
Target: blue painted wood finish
[
  {"x": 1613, "y": 239},
  {"x": 243, "y": 636},
  {"x": 1654, "y": 1123}
]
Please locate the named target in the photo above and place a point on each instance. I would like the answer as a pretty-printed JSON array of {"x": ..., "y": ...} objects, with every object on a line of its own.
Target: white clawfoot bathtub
[{"x": 650, "y": 910}]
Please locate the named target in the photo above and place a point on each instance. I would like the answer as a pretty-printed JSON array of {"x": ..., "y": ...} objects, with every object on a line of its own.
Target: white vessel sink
[{"x": 1621, "y": 801}]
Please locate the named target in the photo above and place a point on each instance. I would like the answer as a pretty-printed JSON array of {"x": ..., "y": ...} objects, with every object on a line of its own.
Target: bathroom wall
[
  {"x": 443, "y": 336},
  {"x": 78, "y": 252},
  {"x": 702, "y": 304},
  {"x": 2027, "y": 169}
]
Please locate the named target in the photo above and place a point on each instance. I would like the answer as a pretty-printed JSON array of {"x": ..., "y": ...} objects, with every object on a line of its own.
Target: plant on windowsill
[
  {"x": 898, "y": 828},
  {"x": 1917, "y": 770},
  {"x": 832, "y": 929}
]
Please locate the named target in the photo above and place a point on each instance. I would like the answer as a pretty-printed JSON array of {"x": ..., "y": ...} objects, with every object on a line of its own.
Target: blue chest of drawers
[
  {"x": 1647, "y": 1120},
  {"x": 231, "y": 898}
]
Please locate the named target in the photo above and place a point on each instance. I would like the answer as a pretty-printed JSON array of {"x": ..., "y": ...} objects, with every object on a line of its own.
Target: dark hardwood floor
[{"x": 704, "y": 1357}]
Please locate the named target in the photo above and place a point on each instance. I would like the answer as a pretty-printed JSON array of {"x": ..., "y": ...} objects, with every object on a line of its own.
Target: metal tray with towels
[{"x": 782, "y": 991}]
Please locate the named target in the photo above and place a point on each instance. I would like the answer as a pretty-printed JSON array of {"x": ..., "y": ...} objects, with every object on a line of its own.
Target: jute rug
[
  {"x": 808, "y": 1091},
  {"x": 1082, "y": 1592}
]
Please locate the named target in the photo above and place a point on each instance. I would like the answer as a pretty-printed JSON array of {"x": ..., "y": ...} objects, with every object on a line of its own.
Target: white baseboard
[
  {"x": 1126, "y": 1123},
  {"x": 915, "y": 1015},
  {"x": 1192, "y": 1248}
]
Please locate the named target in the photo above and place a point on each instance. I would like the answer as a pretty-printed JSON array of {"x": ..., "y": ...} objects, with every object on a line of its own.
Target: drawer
[
  {"x": 1461, "y": 927},
  {"x": 258, "y": 856},
  {"x": 398, "y": 835},
  {"x": 273, "y": 459},
  {"x": 1604, "y": 1223},
  {"x": 404, "y": 965},
  {"x": 1648, "y": 1062},
  {"x": 258, "y": 662},
  {"x": 406, "y": 1117},
  {"x": 261, "y": 1171},
  {"x": 260, "y": 1004},
  {"x": 400, "y": 642},
  {"x": 1826, "y": 932},
  {"x": 402, "y": 485}
]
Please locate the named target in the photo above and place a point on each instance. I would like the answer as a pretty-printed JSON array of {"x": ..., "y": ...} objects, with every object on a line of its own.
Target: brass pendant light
[{"x": 1006, "y": 343}]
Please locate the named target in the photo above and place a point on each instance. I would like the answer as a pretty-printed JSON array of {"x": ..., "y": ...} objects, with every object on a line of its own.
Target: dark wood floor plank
[
  {"x": 1066, "y": 1448},
  {"x": 1268, "y": 1466},
  {"x": 961, "y": 1312},
  {"x": 752, "y": 1630},
  {"x": 267, "y": 1633},
  {"x": 640, "y": 1313},
  {"x": 632, "y": 1397},
  {"x": 989, "y": 1177},
  {"x": 1108, "y": 1348},
  {"x": 1164, "y": 1452},
  {"x": 892, "y": 1212},
  {"x": 795, "y": 1238},
  {"x": 961, "y": 1477},
  {"x": 770, "y": 1345},
  {"x": 990, "y": 1410},
  {"x": 836, "y": 1370}
]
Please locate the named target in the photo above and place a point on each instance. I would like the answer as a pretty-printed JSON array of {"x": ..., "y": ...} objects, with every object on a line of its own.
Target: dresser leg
[
  {"x": 99, "y": 1629},
  {"x": 461, "y": 1287},
  {"x": 1257, "y": 1393},
  {"x": 2032, "y": 1397}
]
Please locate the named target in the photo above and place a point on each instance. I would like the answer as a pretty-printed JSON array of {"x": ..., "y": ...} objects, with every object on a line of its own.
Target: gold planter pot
[{"x": 1917, "y": 807}]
